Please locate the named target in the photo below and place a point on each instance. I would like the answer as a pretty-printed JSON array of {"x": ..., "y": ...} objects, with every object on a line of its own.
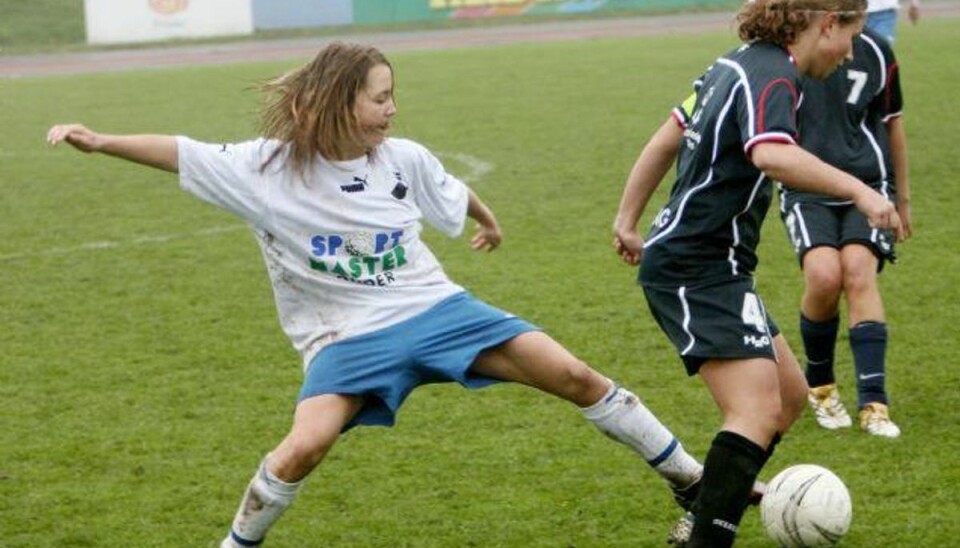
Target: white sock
[
  {"x": 263, "y": 503},
  {"x": 621, "y": 415}
]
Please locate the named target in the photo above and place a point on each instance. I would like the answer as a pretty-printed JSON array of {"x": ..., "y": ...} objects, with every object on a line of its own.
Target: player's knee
[
  {"x": 302, "y": 451},
  {"x": 793, "y": 403},
  {"x": 767, "y": 414},
  {"x": 858, "y": 282},
  {"x": 824, "y": 280},
  {"x": 579, "y": 383}
]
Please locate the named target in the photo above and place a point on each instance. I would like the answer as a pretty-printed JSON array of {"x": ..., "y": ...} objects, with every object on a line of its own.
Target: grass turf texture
[{"x": 143, "y": 373}]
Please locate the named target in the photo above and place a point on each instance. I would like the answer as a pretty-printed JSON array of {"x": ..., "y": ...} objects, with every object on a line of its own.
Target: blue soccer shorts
[{"x": 437, "y": 345}]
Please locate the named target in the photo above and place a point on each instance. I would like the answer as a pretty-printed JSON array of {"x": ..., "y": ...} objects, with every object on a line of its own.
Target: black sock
[
  {"x": 773, "y": 445},
  {"x": 868, "y": 342},
  {"x": 819, "y": 341},
  {"x": 732, "y": 465}
]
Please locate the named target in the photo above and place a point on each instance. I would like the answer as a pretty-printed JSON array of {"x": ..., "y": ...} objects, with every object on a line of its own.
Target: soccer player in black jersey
[
  {"x": 733, "y": 136},
  {"x": 852, "y": 121}
]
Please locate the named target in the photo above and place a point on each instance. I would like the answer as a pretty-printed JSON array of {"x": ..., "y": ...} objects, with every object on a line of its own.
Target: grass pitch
[{"x": 143, "y": 373}]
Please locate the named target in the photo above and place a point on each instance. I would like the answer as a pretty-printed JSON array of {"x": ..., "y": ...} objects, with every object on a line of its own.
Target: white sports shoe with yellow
[
  {"x": 875, "y": 419},
  {"x": 830, "y": 412}
]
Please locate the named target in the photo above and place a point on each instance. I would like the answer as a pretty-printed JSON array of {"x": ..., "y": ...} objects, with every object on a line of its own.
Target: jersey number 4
[{"x": 752, "y": 312}]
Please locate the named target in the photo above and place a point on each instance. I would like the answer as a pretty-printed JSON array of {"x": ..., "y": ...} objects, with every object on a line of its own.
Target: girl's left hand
[{"x": 487, "y": 237}]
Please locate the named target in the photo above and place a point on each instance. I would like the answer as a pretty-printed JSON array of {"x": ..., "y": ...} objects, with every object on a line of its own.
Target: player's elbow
[{"x": 771, "y": 158}]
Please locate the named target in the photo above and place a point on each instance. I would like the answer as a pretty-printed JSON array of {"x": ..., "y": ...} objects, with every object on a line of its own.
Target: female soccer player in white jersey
[
  {"x": 336, "y": 205},
  {"x": 734, "y": 134}
]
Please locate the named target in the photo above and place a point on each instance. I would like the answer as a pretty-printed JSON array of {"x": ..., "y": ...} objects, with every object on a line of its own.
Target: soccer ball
[
  {"x": 806, "y": 506},
  {"x": 359, "y": 244}
]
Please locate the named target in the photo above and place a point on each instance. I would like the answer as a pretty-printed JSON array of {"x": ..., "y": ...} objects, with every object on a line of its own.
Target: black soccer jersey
[
  {"x": 842, "y": 119},
  {"x": 710, "y": 226}
]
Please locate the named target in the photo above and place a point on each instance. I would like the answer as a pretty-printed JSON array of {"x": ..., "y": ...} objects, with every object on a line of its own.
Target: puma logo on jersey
[
  {"x": 358, "y": 185},
  {"x": 400, "y": 190}
]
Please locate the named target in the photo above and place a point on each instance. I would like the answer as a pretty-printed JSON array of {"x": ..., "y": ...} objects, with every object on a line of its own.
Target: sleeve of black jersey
[
  {"x": 889, "y": 102},
  {"x": 767, "y": 107},
  {"x": 683, "y": 113}
]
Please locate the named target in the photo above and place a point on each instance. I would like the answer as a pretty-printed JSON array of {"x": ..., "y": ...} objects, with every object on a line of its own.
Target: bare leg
[
  {"x": 537, "y": 360},
  {"x": 868, "y": 338},
  {"x": 316, "y": 427}
]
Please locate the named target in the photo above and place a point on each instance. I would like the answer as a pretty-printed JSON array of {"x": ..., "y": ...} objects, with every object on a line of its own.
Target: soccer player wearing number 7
[
  {"x": 336, "y": 207},
  {"x": 731, "y": 138},
  {"x": 851, "y": 121}
]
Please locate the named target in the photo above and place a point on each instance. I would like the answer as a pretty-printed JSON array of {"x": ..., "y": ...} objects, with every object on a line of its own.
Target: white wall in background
[{"x": 120, "y": 21}]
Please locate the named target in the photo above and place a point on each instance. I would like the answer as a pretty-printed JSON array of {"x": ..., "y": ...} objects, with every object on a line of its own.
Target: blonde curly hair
[{"x": 780, "y": 21}]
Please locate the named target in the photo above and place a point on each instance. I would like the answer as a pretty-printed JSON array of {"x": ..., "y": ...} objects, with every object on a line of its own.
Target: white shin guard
[
  {"x": 621, "y": 415},
  {"x": 263, "y": 503}
]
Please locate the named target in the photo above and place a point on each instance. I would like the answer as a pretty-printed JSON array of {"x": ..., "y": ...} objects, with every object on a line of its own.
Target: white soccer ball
[
  {"x": 359, "y": 244},
  {"x": 806, "y": 506}
]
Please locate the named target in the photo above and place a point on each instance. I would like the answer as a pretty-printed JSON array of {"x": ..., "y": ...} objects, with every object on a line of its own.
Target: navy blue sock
[
  {"x": 729, "y": 471},
  {"x": 868, "y": 342},
  {"x": 819, "y": 341}
]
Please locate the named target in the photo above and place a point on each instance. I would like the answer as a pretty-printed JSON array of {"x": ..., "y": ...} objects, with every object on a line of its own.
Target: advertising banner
[
  {"x": 124, "y": 21},
  {"x": 393, "y": 11}
]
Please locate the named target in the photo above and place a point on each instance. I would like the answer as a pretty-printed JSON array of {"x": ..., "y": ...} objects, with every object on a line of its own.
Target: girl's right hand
[
  {"x": 628, "y": 244},
  {"x": 77, "y": 135},
  {"x": 880, "y": 212}
]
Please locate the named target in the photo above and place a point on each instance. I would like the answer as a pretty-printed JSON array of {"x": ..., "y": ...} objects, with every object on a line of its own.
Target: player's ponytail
[
  {"x": 310, "y": 109},
  {"x": 780, "y": 21}
]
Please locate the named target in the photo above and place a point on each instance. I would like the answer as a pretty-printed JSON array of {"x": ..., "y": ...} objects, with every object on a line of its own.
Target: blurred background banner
[
  {"x": 279, "y": 14},
  {"x": 391, "y": 11},
  {"x": 124, "y": 21}
]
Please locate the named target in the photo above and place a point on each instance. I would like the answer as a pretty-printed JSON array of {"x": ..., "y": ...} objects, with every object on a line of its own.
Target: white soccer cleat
[
  {"x": 830, "y": 412},
  {"x": 681, "y": 530},
  {"x": 229, "y": 543},
  {"x": 875, "y": 420}
]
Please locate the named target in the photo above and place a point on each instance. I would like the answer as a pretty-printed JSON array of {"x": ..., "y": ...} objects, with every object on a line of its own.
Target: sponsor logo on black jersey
[
  {"x": 762, "y": 341},
  {"x": 358, "y": 185}
]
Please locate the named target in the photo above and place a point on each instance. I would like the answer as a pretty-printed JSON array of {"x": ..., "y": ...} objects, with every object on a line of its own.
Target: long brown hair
[
  {"x": 780, "y": 21},
  {"x": 310, "y": 109}
]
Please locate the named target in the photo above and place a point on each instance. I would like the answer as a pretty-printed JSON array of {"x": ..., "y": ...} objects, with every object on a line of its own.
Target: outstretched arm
[
  {"x": 801, "y": 170},
  {"x": 488, "y": 235},
  {"x": 649, "y": 169},
  {"x": 159, "y": 151}
]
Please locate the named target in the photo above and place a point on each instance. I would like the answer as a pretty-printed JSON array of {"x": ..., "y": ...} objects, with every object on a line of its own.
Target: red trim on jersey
[
  {"x": 678, "y": 119},
  {"x": 771, "y": 138},
  {"x": 763, "y": 99},
  {"x": 888, "y": 90}
]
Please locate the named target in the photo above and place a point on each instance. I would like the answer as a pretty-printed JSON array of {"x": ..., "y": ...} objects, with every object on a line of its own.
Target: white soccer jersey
[{"x": 341, "y": 243}]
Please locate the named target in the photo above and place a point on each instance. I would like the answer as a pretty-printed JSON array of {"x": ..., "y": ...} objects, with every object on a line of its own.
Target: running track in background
[{"x": 14, "y": 66}]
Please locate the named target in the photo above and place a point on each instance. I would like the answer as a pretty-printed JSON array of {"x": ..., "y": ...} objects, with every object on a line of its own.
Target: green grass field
[{"x": 143, "y": 373}]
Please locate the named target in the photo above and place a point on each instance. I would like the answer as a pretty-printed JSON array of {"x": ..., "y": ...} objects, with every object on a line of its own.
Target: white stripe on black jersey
[
  {"x": 842, "y": 119},
  {"x": 710, "y": 226}
]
